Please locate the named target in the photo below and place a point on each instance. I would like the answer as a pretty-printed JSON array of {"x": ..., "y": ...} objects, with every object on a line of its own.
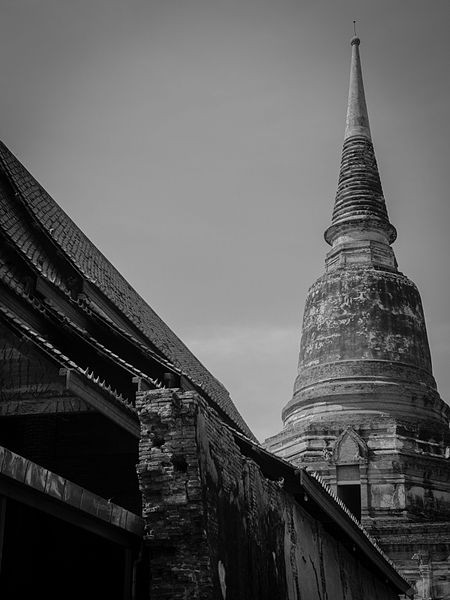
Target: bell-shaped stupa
[
  {"x": 364, "y": 344},
  {"x": 365, "y": 412}
]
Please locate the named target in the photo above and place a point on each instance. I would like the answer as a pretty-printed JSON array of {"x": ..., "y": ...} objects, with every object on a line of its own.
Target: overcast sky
[{"x": 197, "y": 143}]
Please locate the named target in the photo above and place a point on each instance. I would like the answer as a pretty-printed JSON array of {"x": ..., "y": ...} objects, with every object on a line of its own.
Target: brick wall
[
  {"x": 218, "y": 528},
  {"x": 173, "y": 497}
]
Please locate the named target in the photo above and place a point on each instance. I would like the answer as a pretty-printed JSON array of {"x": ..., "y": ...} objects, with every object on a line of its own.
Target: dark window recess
[{"x": 350, "y": 495}]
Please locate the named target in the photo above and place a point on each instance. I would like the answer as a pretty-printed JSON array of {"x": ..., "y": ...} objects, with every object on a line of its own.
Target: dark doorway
[
  {"x": 45, "y": 557},
  {"x": 350, "y": 494}
]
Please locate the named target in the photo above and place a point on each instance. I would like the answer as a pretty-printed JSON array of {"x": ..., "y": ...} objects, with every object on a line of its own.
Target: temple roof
[{"x": 29, "y": 215}]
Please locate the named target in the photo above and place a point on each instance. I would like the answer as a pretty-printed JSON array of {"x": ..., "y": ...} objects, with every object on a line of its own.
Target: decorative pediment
[{"x": 349, "y": 448}]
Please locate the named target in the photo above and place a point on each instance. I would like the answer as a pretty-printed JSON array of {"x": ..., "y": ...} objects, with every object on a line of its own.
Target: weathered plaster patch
[{"x": 223, "y": 585}]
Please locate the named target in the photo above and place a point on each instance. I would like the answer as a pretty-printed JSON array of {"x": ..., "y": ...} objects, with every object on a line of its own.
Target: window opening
[
  {"x": 349, "y": 487},
  {"x": 350, "y": 494}
]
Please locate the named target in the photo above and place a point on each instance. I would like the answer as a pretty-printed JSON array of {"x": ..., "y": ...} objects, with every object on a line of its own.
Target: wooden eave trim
[
  {"x": 35, "y": 486},
  {"x": 54, "y": 296},
  {"x": 143, "y": 347},
  {"x": 103, "y": 303},
  {"x": 22, "y": 309},
  {"x": 50, "y": 405},
  {"x": 77, "y": 385},
  {"x": 29, "y": 311},
  {"x": 86, "y": 388}
]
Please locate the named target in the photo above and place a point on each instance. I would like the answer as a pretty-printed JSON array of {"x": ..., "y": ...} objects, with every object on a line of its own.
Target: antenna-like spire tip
[{"x": 355, "y": 38}]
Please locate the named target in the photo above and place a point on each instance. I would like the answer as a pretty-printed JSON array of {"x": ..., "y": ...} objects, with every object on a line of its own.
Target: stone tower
[{"x": 365, "y": 412}]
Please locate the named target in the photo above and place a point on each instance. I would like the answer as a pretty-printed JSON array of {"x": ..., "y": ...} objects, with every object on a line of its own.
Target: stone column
[{"x": 170, "y": 483}]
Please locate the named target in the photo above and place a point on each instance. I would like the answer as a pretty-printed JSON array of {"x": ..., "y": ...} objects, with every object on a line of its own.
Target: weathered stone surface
[
  {"x": 364, "y": 347},
  {"x": 218, "y": 528},
  {"x": 365, "y": 405},
  {"x": 404, "y": 482}
]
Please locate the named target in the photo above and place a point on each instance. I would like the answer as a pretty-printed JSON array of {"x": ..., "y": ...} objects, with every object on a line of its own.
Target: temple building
[
  {"x": 126, "y": 470},
  {"x": 128, "y": 473},
  {"x": 365, "y": 411}
]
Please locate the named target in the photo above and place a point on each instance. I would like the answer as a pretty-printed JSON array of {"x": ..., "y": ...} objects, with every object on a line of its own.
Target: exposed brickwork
[
  {"x": 173, "y": 504},
  {"x": 218, "y": 528}
]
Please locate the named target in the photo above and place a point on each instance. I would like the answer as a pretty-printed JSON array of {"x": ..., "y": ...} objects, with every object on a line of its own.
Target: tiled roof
[{"x": 51, "y": 222}]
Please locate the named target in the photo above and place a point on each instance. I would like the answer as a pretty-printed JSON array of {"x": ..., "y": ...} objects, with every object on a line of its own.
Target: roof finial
[{"x": 355, "y": 38}]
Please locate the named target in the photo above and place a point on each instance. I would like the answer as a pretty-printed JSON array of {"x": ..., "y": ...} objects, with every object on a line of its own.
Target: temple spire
[
  {"x": 360, "y": 217},
  {"x": 357, "y": 118},
  {"x": 364, "y": 347}
]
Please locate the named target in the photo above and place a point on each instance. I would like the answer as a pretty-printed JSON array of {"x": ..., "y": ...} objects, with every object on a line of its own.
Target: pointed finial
[
  {"x": 357, "y": 118},
  {"x": 355, "y": 39}
]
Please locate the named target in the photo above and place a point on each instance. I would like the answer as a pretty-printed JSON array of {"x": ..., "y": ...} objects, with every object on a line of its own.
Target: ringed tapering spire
[{"x": 360, "y": 208}]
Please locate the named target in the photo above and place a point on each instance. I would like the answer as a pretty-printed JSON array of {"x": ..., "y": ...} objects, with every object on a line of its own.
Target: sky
[{"x": 197, "y": 143}]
